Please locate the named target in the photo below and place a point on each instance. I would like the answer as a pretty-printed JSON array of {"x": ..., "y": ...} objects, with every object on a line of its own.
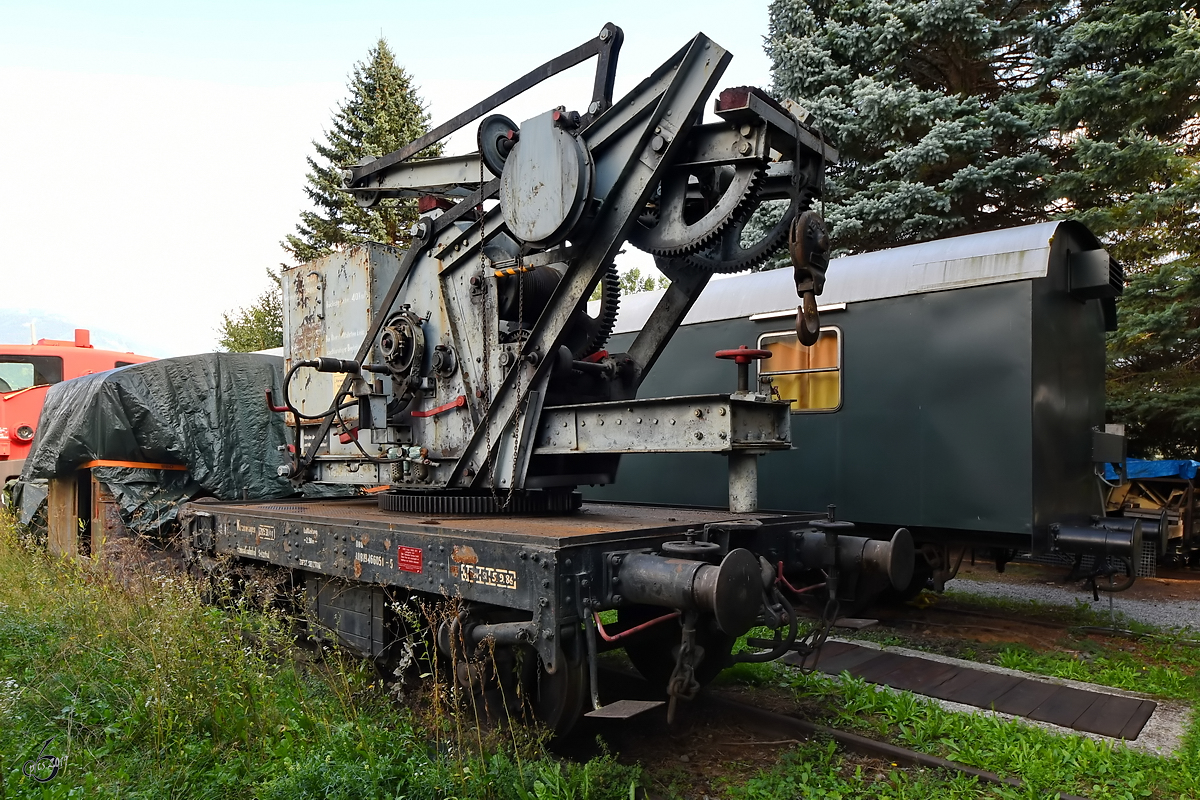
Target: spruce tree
[
  {"x": 1133, "y": 175},
  {"x": 926, "y": 103},
  {"x": 382, "y": 113},
  {"x": 955, "y": 116}
]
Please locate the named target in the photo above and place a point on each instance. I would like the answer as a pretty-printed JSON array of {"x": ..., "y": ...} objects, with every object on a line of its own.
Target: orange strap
[
  {"x": 376, "y": 489},
  {"x": 104, "y": 462}
]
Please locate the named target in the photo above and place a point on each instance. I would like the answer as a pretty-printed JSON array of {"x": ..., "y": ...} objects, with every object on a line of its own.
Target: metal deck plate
[
  {"x": 593, "y": 520},
  {"x": 624, "y": 709},
  {"x": 1068, "y": 707}
]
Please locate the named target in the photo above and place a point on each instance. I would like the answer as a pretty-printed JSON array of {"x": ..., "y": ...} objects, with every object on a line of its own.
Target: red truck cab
[{"x": 26, "y": 372}]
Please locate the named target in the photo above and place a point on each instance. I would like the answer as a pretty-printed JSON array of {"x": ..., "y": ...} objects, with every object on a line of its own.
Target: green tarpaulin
[{"x": 206, "y": 412}]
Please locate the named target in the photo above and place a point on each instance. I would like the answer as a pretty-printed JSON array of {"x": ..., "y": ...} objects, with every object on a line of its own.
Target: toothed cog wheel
[
  {"x": 734, "y": 251},
  {"x": 691, "y": 207}
]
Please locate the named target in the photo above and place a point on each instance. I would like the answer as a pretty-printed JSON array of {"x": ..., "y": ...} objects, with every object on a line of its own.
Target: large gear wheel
[
  {"x": 693, "y": 208},
  {"x": 730, "y": 252}
]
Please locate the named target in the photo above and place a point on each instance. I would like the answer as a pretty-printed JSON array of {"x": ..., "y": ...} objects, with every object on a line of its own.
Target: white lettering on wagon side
[
  {"x": 487, "y": 576},
  {"x": 369, "y": 558}
]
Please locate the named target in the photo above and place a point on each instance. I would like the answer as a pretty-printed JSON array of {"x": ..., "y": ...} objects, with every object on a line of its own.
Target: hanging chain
[{"x": 519, "y": 366}]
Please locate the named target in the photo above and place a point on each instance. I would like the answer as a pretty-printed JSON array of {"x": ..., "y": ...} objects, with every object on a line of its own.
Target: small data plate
[{"x": 624, "y": 709}]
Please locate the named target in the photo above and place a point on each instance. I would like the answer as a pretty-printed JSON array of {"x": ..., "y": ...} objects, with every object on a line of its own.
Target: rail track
[
  {"x": 741, "y": 726},
  {"x": 775, "y": 724}
]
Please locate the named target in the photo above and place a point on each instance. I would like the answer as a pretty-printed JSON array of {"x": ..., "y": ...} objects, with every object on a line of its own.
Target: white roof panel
[{"x": 976, "y": 259}]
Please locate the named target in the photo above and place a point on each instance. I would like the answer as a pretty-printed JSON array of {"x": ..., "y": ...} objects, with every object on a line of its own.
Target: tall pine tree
[
  {"x": 381, "y": 114},
  {"x": 954, "y": 116}
]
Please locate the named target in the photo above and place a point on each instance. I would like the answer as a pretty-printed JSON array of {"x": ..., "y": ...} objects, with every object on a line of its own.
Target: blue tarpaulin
[{"x": 1136, "y": 468}]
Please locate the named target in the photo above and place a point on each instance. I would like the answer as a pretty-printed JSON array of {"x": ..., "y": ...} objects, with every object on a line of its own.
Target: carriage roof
[{"x": 977, "y": 259}]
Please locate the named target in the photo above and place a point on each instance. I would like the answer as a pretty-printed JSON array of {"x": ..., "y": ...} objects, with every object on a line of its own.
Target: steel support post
[{"x": 743, "y": 482}]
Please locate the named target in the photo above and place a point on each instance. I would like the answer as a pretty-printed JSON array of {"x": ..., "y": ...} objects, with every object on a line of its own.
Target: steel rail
[{"x": 862, "y": 744}]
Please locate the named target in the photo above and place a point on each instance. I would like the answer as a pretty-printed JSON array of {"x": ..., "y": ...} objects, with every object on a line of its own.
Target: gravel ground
[{"x": 1163, "y": 613}]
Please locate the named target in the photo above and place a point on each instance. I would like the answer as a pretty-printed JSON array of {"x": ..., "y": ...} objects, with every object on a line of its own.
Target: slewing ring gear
[
  {"x": 693, "y": 209},
  {"x": 539, "y": 502}
]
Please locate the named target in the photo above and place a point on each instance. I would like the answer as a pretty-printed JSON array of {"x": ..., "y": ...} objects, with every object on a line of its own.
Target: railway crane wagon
[
  {"x": 957, "y": 389},
  {"x": 463, "y": 382}
]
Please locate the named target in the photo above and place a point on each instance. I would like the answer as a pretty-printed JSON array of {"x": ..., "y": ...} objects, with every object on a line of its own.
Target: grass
[
  {"x": 150, "y": 693},
  {"x": 1047, "y": 761},
  {"x": 1164, "y": 664}
]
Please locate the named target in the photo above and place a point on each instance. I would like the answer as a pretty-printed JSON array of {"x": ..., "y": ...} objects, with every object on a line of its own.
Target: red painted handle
[
  {"x": 457, "y": 402},
  {"x": 743, "y": 355},
  {"x": 271, "y": 403}
]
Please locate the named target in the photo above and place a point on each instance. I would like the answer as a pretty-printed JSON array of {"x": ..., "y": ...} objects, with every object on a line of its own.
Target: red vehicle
[{"x": 26, "y": 372}]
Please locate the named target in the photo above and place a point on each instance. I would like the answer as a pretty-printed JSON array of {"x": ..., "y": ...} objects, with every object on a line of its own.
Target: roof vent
[{"x": 1094, "y": 274}]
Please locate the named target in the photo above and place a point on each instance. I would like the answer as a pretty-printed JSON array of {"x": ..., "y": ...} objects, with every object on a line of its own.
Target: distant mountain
[{"x": 14, "y": 329}]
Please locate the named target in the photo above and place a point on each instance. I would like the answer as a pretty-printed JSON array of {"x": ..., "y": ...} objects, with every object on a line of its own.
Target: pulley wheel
[
  {"x": 546, "y": 183},
  {"x": 492, "y": 131}
]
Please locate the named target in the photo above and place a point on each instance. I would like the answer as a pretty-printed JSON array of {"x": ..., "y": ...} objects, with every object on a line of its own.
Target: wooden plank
[
  {"x": 936, "y": 675},
  {"x": 831, "y": 649},
  {"x": 981, "y": 692},
  {"x": 1065, "y": 706},
  {"x": 850, "y": 661},
  {"x": 1133, "y": 728},
  {"x": 871, "y": 670},
  {"x": 917, "y": 673},
  {"x": 818, "y": 660},
  {"x": 62, "y": 519},
  {"x": 107, "y": 524},
  {"x": 810, "y": 661},
  {"x": 1024, "y": 697},
  {"x": 1108, "y": 715}
]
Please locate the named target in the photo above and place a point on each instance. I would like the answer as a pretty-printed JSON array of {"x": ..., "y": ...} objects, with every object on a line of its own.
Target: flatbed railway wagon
[
  {"x": 464, "y": 384},
  {"x": 957, "y": 390}
]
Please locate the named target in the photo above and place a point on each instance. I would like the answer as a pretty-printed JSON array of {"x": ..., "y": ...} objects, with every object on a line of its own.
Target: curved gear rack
[{"x": 610, "y": 305}]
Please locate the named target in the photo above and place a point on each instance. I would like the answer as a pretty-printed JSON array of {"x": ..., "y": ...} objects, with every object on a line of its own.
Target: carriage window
[
  {"x": 22, "y": 372},
  {"x": 810, "y": 377}
]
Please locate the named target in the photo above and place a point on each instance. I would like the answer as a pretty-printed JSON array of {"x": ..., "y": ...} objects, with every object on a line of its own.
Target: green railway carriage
[{"x": 957, "y": 388}]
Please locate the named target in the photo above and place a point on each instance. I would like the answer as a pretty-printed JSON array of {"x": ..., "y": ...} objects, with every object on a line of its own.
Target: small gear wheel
[{"x": 731, "y": 252}]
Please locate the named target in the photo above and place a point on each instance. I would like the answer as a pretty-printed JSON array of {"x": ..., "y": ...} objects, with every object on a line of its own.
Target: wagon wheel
[
  {"x": 654, "y": 657},
  {"x": 556, "y": 700}
]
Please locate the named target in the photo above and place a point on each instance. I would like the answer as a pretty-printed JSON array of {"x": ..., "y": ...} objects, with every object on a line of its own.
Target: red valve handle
[{"x": 743, "y": 355}]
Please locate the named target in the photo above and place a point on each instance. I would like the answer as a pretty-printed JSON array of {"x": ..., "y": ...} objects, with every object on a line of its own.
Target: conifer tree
[
  {"x": 258, "y": 326},
  {"x": 955, "y": 116},
  {"x": 382, "y": 113}
]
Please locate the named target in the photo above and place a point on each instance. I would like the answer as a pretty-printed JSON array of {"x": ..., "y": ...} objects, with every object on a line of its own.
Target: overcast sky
[{"x": 152, "y": 153}]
